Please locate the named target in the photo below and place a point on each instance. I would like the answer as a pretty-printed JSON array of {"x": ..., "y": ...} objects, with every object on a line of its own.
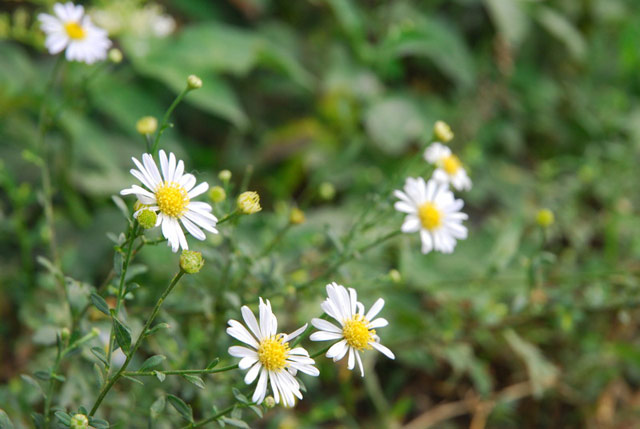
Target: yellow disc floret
[
  {"x": 430, "y": 216},
  {"x": 75, "y": 31},
  {"x": 172, "y": 199},
  {"x": 357, "y": 333},
  {"x": 273, "y": 353},
  {"x": 451, "y": 164}
]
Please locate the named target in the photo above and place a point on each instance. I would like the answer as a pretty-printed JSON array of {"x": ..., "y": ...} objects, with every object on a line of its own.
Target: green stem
[
  {"x": 133, "y": 232},
  {"x": 165, "y": 120},
  {"x": 180, "y": 371},
  {"x": 346, "y": 257},
  {"x": 216, "y": 416},
  {"x": 137, "y": 344},
  {"x": 50, "y": 389},
  {"x": 228, "y": 217},
  {"x": 279, "y": 236},
  {"x": 320, "y": 352}
]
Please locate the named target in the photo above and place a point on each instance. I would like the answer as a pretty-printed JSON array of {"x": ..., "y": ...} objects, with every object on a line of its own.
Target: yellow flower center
[
  {"x": 357, "y": 333},
  {"x": 451, "y": 164},
  {"x": 75, "y": 31},
  {"x": 172, "y": 199},
  {"x": 273, "y": 353},
  {"x": 430, "y": 216}
]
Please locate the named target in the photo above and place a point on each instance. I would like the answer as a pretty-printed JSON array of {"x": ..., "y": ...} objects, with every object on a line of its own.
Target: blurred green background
[{"x": 320, "y": 104}]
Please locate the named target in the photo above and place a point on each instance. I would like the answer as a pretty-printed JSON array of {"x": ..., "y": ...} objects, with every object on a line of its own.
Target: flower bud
[
  {"x": 224, "y": 175},
  {"x": 95, "y": 331},
  {"x": 147, "y": 125},
  {"x": 327, "y": 191},
  {"x": 79, "y": 421},
  {"x": 191, "y": 261},
  {"x": 65, "y": 334},
  {"x": 249, "y": 202},
  {"x": 269, "y": 402},
  {"x": 442, "y": 132},
  {"x": 395, "y": 276},
  {"x": 147, "y": 218},
  {"x": 194, "y": 82},
  {"x": 217, "y": 194},
  {"x": 115, "y": 55},
  {"x": 545, "y": 218},
  {"x": 296, "y": 217}
]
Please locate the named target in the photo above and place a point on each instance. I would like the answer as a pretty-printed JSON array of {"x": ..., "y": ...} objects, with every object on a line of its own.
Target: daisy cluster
[
  {"x": 272, "y": 358},
  {"x": 430, "y": 206}
]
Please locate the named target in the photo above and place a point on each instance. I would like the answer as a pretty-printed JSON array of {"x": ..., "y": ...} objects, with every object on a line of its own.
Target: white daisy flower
[
  {"x": 72, "y": 30},
  {"x": 449, "y": 168},
  {"x": 432, "y": 210},
  {"x": 357, "y": 330},
  {"x": 270, "y": 356},
  {"x": 170, "y": 197}
]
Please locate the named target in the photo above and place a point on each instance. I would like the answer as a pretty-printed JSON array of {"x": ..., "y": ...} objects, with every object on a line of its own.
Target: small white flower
[
  {"x": 72, "y": 30},
  {"x": 357, "y": 330},
  {"x": 270, "y": 356},
  {"x": 449, "y": 168},
  {"x": 432, "y": 210},
  {"x": 170, "y": 197}
]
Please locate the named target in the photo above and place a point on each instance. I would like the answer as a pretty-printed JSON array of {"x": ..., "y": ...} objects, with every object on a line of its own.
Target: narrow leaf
[
  {"x": 62, "y": 416},
  {"x": 5, "y": 421},
  {"x": 99, "y": 353},
  {"x": 152, "y": 362},
  {"x": 100, "y": 303},
  {"x": 180, "y": 406},
  {"x": 195, "y": 380},
  {"x": 160, "y": 375},
  {"x": 123, "y": 335},
  {"x": 213, "y": 363}
]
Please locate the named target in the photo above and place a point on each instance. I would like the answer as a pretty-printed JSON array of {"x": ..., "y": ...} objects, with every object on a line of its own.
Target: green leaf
[
  {"x": 62, "y": 416},
  {"x": 119, "y": 202},
  {"x": 393, "y": 123},
  {"x": 157, "y": 328},
  {"x": 98, "y": 423},
  {"x": 542, "y": 373},
  {"x": 5, "y": 421},
  {"x": 157, "y": 407},
  {"x": 239, "y": 396},
  {"x": 160, "y": 375},
  {"x": 98, "y": 372},
  {"x": 117, "y": 263},
  {"x": 195, "y": 380},
  {"x": 236, "y": 422},
  {"x": 256, "y": 410},
  {"x": 152, "y": 362},
  {"x": 100, "y": 303},
  {"x": 563, "y": 30},
  {"x": 31, "y": 381},
  {"x": 123, "y": 335},
  {"x": 42, "y": 375},
  {"x": 510, "y": 19},
  {"x": 100, "y": 354},
  {"x": 213, "y": 363},
  {"x": 134, "y": 379},
  {"x": 180, "y": 406}
]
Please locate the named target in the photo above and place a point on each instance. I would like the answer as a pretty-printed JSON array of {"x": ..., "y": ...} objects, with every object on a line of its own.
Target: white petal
[
  {"x": 337, "y": 349},
  {"x": 378, "y": 323},
  {"x": 325, "y": 325},
  {"x": 295, "y": 333},
  {"x": 241, "y": 351},
  {"x": 252, "y": 373},
  {"x": 247, "y": 362},
  {"x": 411, "y": 224},
  {"x": 375, "y": 309},
  {"x": 382, "y": 349},
  {"x": 261, "y": 387},
  {"x": 240, "y": 333},
  {"x": 325, "y": 336},
  {"x": 359, "y": 360},
  {"x": 201, "y": 188},
  {"x": 192, "y": 228},
  {"x": 250, "y": 320},
  {"x": 351, "y": 361}
]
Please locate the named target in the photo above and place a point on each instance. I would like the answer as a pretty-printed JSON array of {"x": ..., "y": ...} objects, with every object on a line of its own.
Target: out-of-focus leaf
[
  {"x": 393, "y": 123},
  {"x": 562, "y": 29},
  {"x": 542, "y": 373},
  {"x": 510, "y": 19},
  {"x": 195, "y": 380},
  {"x": 5, "y": 421},
  {"x": 152, "y": 362},
  {"x": 180, "y": 406}
]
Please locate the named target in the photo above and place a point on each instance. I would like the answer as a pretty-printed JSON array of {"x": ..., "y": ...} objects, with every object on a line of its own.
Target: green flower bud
[
  {"x": 64, "y": 334},
  {"x": 224, "y": 175},
  {"x": 95, "y": 331},
  {"x": 545, "y": 218},
  {"x": 147, "y": 219},
  {"x": 327, "y": 191},
  {"x": 269, "y": 402},
  {"x": 395, "y": 276},
  {"x": 217, "y": 194},
  {"x": 79, "y": 421},
  {"x": 191, "y": 261},
  {"x": 249, "y": 202},
  {"x": 296, "y": 217},
  {"x": 194, "y": 82},
  {"x": 442, "y": 132},
  {"x": 147, "y": 125},
  {"x": 115, "y": 55}
]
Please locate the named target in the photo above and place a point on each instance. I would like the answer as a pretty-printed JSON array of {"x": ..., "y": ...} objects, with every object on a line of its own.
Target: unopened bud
[
  {"x": 296, "y": 217},
  {"x": 269, "y": 402},
  {"x": 327, "y": 191},
  {"x": 147, "y": 125},
  {"x": 191, "y": 261},
  {"x": 395, "y": 276},
  {"x": 249, "y": 202},
  {"x": 64, "y": 334},
  {"x": 115, "y": 55},
  {"x": 95, "y": 331},
  {"x": 79, "y": 421},
  {"x": 442, "y": 132},
  {"x": 224, "y": 175},
  {"x": 545, "y": 218},
  {"x": 194, "y": 82},
  {"x": 217, "y": 194},
  {"x": 147, "y": 218}
]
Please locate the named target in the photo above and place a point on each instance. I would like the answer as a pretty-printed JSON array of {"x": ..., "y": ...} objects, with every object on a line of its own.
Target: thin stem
[
  {"x": 279, "y": 236},
  {"x": 320, "y": 352},
  {"x": 137, "y": 344},
  {"x": 216, "y": 416},
  {"x": 180, "y": 371},
  {"x": 133, "y": 232},
  {"x": 165, "y": 120},
  {"x": 50, "y": 389},
  {"x": 228, "y": 217}
]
